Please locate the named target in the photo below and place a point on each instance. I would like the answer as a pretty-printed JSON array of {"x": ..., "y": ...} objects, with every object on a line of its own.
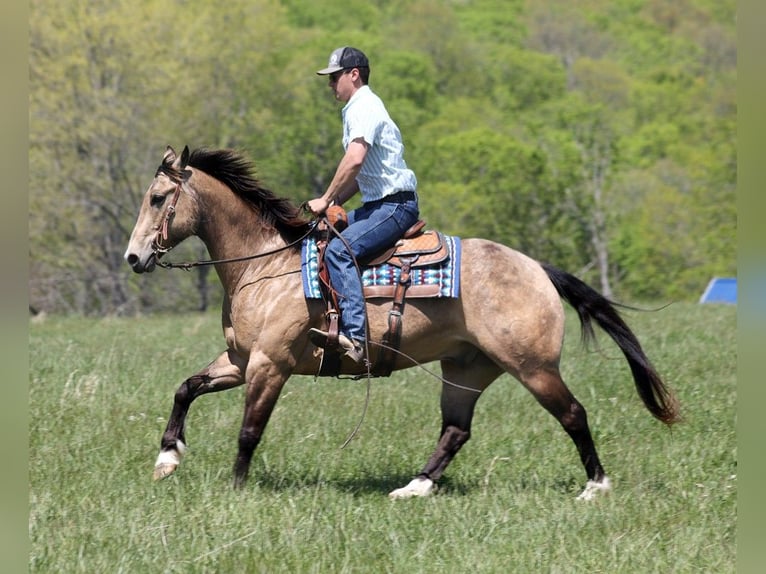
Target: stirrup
[
  {"x": 324, "y": 340},
  {"x": 353, "y": 349},
  {"x": 356, "y": 352}
]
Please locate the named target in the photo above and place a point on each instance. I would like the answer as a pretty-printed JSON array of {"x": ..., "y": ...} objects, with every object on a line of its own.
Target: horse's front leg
[
  {"x": 224, "y": 373},
  {"x": 265, "y": 379}
]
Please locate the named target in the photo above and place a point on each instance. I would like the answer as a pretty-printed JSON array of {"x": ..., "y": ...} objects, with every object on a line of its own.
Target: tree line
[{"x": 598, "y": 135}]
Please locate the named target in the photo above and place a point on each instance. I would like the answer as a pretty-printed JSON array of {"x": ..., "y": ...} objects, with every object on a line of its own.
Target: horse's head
[{"x": 167, "y": 215}]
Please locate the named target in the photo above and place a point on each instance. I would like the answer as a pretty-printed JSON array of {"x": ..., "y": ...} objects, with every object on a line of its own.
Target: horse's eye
[{"x": 157, "y": 200}]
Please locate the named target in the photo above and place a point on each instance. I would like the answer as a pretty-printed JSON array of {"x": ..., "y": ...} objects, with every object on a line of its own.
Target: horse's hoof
[
  {"x": 168, "y": 460},
  {"x": 594, "y": 489},
  {"x": 417, "y": 487},
  {"x": 163, "y": 470}
]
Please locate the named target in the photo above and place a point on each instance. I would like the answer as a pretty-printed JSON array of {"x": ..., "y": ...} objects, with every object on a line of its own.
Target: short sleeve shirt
[{"x": 384, "y": 171}]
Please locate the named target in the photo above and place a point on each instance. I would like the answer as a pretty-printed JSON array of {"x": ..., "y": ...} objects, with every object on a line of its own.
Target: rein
[
  {"x": 162, "y": 236},
  {"x": 189, "y": 265}
]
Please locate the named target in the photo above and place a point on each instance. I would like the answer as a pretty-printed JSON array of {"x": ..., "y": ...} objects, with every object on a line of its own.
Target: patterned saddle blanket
[{"x": 379, "y": 278}]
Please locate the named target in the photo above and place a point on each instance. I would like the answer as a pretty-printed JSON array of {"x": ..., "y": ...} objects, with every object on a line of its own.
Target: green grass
[{"x": 101, "y": 390}]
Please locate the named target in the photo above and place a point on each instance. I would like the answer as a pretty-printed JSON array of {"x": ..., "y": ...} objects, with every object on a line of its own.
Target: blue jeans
[{"x": 372, "y": 228}]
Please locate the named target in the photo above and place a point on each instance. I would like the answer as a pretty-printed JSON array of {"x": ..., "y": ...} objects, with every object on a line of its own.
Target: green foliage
[
  {"x": 517, "y": 80},
  {"x": 359, "y": 14},
  {"x": 583, "y": 133},
  {"x": 493, "y": 186},
  {"x": 492, "y": 23},
  {"x": 408, "y": 86}
]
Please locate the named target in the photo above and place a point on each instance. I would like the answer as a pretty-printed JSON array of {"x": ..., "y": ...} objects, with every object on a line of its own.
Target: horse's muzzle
[{"x": 141, "y": 266}]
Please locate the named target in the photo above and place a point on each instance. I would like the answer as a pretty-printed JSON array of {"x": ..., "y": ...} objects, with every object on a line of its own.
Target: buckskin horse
[{"x": 508, "y": 317}]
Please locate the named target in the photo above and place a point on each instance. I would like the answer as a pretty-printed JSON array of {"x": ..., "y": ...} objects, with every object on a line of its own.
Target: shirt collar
[{"x": 357, "y": 94}]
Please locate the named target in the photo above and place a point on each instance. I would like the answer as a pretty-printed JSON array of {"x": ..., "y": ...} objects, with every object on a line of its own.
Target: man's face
[{"x": 342, "y": 84}]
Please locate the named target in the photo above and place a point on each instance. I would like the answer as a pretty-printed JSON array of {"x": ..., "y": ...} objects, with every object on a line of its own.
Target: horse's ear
[
  {"x": 170, "y": 156},
  {"x": 184, "y": 157}
]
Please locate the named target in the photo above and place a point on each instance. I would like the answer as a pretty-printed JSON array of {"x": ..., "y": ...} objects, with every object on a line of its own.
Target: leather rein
[{"x": 160, "y": 248}]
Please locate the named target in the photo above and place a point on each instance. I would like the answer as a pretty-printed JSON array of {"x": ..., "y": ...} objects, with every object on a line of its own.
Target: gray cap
[{"x": 343, "y": 59}]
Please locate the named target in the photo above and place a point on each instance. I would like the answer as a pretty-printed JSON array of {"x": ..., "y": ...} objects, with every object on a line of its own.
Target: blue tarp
[{"x": 721, "y": 290}]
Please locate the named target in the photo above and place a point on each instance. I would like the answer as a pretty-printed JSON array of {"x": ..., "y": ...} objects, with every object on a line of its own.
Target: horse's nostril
[{"x": 132, "y": 259}]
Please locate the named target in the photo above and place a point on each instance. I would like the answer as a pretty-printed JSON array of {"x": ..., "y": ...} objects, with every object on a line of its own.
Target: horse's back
[
  {"x": 507, "y": 294},
  {"x": 495, "y": 270}
]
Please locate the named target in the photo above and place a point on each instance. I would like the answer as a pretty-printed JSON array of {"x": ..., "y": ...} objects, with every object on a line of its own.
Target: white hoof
[
  {"x": 416, "y": 487},
  {"x": 593, "y": 488},
  {"x": 163, "y": 470},
  {"x": 168, "y": 461}
]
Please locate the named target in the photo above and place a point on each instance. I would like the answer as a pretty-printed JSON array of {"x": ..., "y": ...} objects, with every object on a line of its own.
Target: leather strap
[
  {"x": 330, "y": 366},
  {"x": 393, "y": 337}
]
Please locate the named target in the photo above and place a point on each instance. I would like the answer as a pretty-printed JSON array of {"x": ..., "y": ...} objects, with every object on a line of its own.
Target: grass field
[{"x": 101, "y": 390}]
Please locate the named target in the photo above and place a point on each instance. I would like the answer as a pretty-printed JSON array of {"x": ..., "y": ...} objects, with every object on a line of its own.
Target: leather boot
[{"x": 354, "y": 350}]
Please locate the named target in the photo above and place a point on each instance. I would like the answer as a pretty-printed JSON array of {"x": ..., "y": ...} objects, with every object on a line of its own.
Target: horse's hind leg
[
  {"x": 552, "y": 393},
  {"x": 223, "y": 373},
  {"x": 466, "y": 379}
]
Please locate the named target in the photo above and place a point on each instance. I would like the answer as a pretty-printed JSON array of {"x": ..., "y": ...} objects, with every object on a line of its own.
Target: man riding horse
[
  {"x": 506, "y": 316},
  {"x": 373, "y": 164}
]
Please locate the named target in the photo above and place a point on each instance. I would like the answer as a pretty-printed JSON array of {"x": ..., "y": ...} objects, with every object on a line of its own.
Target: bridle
[
  {"x": 162, "y": 230},
  {"x": 160, "y": 246}
]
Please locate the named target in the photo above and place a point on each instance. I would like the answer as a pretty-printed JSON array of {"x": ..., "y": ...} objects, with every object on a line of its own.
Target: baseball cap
[{"x": 345, "y": 58}]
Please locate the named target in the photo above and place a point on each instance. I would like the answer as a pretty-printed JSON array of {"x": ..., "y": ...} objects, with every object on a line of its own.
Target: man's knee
[{"x": 337, "y": 252}]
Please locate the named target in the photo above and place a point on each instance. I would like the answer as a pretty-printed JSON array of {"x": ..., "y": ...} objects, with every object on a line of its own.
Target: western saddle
[{"x": 417, "y": 248}]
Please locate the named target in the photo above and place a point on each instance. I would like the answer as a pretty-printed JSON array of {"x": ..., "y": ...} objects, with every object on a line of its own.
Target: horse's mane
[{"x": 237, "y": 172}]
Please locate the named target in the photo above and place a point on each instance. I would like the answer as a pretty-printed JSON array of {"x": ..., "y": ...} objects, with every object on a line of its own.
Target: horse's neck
[{"x": 231, "y": 229}]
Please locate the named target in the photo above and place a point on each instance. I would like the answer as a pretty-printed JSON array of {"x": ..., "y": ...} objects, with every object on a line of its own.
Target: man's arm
[{"x": 343, "y": 185}]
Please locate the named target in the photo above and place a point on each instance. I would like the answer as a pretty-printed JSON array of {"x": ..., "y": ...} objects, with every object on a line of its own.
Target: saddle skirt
[{"x": 435, "y": 268}]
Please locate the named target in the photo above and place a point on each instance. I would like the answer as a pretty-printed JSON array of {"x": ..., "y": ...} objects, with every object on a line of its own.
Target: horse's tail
[{"x": 590, "y": 304}]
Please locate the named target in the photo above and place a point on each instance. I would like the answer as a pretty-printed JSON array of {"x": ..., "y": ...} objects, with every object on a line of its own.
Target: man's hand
[{"x": 318, "y": 205}]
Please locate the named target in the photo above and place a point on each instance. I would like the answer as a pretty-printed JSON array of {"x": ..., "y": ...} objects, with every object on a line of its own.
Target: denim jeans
[{"x": 372, "y": 228}]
